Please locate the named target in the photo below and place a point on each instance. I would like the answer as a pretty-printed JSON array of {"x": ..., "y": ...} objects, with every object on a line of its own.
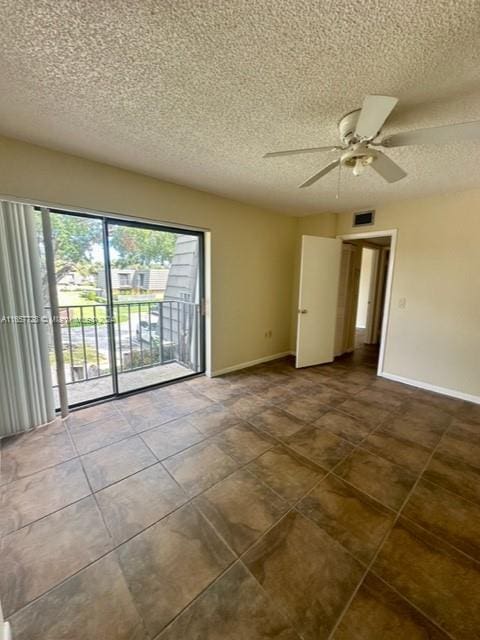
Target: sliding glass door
[
  {"x": 155, "y": 280},
  {"x": 130, "y": 304},
  {"x": 82, "y": 312}
]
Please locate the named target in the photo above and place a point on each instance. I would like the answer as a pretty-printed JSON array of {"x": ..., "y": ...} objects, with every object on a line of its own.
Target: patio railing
[{"x": 146, "y": 334}]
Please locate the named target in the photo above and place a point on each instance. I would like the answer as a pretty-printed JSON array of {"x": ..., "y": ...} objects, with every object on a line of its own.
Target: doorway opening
[{"x": 363, "y": 299}]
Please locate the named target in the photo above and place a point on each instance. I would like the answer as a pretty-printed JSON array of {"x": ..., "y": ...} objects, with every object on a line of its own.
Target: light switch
[{"x": 402, "y": 303}]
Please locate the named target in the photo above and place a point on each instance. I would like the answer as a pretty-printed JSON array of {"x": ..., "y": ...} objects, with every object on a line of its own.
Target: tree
[
  {"x": 141, "y": 247},
  {"x": 74, "y": 239},
  {"x": 73, "y": 242}
]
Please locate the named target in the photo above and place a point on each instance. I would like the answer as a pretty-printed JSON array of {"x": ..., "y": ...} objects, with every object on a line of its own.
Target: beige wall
[
  {"x": 323, "y": 224},
  {"x": 252, "y": 250},
  {"x": 435, "y": 339},
  {"x": 254, "y": 254}
]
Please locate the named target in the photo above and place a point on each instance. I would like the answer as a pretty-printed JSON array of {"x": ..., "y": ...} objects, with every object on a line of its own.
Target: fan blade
[
  {"x": 320, "y": 174},
  {"x": 375, "y": 111},
  {"x": 293, "y": 152},
  {"x": 387, "y": 168},
  {"x": 435, "y": 135}
]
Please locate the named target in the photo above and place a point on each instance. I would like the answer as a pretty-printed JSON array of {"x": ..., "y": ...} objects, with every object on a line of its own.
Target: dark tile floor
[{"x": 269, "y": 503}]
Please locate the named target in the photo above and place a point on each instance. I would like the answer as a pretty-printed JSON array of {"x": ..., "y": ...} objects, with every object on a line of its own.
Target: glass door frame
[{"x": 107, "y": 220}]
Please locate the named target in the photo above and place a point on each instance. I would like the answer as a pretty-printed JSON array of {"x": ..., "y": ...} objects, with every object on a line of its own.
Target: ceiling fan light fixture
[
  {"x": 359, "y": 167},
  {"x": 360, "y": 128},
  {"x": 358, "y": 158}
]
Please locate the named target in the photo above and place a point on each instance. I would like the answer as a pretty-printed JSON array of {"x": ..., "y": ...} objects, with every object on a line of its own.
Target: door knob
[{"x": 302, "y": 311}]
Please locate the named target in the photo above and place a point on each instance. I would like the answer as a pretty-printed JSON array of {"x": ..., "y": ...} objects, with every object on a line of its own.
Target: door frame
[
  {"x": 392, "y": 233},
  {"x": 380, "y": 282}
]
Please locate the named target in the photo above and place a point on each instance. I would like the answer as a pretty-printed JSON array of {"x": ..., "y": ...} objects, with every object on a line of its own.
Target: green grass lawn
[
  {"x": 68, "y": 298},
  {"x": 78, "y": 356},
  {"x": 91, "y": 309}
]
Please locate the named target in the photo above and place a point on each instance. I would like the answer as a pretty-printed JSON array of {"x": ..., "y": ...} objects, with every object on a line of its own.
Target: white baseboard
[
  {"x": 5, "y": 633},
  {"x": 252, "y": 363},
  {"x": 431, "y": 387}
]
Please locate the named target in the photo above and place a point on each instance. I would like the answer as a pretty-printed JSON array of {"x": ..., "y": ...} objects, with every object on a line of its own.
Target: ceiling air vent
[{"x": 362, "y": 218}]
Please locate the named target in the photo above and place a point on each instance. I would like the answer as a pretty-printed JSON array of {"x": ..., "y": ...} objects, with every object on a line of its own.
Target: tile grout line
[
  {"x": 115, "y": 547},
  {"x": 272, "y": 601},
  {"x": 432, "y": 534},
  {"x": 245, "y": 419},
  {"x": 381, "y": 545},
  {"x": 92, "y": 491},
  {"x": 190, "y": 500},
  {"x": 239, "y": 559},
  {"x": 103, "y": 555},
  {"x": 107, "y": 529},
  {"x": 453, "y": 493},
  {"x": 67, "y": 428},
  {"x": 241, "y": 467},
  {"x": 278, "y": 442},
  {"x": 158, "y": 460},
  {"x": 294, "y": 505},
  {"x": 292, "y": 508},
  {"x": 374, "y": 429},
  {"x": 413, "y": 605},
  {"x": 186, "y": 416},
  {"x": 197, "y": 597}
]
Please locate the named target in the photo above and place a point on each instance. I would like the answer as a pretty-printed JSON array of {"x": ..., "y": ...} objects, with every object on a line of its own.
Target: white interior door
[{"x": 317, "y": 300}]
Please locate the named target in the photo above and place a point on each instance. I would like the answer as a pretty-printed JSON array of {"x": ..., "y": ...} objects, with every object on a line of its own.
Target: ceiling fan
[{"x": 358, "y": 131}]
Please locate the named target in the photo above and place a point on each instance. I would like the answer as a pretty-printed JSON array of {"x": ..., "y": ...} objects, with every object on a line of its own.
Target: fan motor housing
[{"x": 347, "y": 125}]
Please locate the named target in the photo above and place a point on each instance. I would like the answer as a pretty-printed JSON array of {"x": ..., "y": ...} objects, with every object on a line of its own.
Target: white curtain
[{"x": 26, "y": 394}]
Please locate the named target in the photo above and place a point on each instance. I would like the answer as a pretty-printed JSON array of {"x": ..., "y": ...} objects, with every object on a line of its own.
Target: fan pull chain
[{"x": 338, "y": 181}]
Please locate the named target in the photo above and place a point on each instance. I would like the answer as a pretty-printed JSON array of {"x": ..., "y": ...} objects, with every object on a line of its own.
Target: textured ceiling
[{"x": 195, "y": 92}]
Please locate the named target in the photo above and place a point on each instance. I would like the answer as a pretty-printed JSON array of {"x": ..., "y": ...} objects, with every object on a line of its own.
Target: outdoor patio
[
  {"x": 88, "y": 390},
  {"x": 154, "y": 342}
]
